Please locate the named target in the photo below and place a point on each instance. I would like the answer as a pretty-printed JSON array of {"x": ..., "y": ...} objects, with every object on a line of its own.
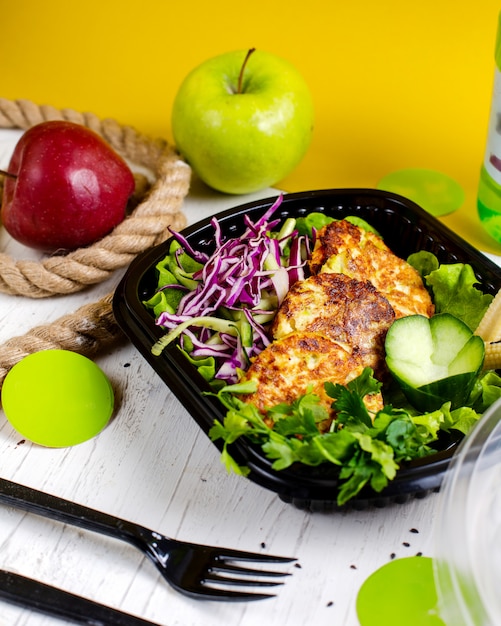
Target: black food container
[{"x": 406, "y": 228}]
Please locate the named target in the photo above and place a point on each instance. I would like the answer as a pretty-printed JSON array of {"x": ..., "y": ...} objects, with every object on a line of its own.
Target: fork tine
[
  {"x": 226, "y": 580},
  {"x": 222, "y": 566},
  {"x": 229, "y": 595},
  {"x": 238, "y": 555}
]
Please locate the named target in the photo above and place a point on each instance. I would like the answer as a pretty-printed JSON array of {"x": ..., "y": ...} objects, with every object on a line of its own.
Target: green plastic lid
[
  {"x": 433, "y": 191},
  {"x": 401, "y": 592},
  {"x": 57, "y": 398}
]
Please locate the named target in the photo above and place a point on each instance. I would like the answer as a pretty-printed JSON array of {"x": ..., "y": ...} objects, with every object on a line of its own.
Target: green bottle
[{"x": 489, "y": 188}]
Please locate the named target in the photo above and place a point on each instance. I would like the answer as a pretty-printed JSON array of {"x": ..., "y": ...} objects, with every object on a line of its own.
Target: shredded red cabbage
[{"x": 238, "y": 291}]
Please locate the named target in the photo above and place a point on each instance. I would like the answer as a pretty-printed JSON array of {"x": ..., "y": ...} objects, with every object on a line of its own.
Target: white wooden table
[{"x": 154, "y": 466}]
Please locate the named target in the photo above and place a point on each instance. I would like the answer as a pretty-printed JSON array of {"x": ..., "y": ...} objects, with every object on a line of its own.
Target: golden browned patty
[
  {"x": 342, "y": 247},
  {"x": 300, "y": 362},
  {"x": 346, "y": 310}
]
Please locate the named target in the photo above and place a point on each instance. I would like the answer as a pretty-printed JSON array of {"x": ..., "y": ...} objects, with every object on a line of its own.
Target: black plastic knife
[{"x": 55, "y": 602}]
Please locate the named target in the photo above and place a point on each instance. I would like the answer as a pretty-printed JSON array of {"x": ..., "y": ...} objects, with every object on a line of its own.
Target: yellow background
[{"x": 395, "y": 84}]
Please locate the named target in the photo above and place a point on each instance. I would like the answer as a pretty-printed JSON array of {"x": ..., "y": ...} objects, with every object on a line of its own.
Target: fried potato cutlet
[
  {"x": 342, "y": 247},
  {"x": 346, "y": 310},
  {"x": 301, "y": 361}
]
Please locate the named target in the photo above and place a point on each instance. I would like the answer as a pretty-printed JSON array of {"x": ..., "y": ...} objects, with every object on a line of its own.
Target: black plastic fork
[{"x": 199, "y": 571}]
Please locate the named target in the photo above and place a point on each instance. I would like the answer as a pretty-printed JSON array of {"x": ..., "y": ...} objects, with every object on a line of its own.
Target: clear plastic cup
[{"x": 467, "y": 564}]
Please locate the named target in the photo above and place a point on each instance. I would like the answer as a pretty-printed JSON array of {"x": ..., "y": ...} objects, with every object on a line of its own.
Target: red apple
[{"x": 65, "y": 187}]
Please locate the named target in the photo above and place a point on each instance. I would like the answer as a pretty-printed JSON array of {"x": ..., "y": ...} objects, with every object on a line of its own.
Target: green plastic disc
[
  {"x": 435, "y": 192},
  {"x": 57, "y": 398},
  {"x": 401, "y": 592}
]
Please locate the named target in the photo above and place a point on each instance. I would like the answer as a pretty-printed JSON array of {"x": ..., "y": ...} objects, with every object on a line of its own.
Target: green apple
[{"x": 243, "y": 120}]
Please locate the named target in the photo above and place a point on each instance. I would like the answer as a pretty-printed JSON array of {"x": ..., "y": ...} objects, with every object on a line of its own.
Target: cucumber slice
[{"x": 434, "y": 360}]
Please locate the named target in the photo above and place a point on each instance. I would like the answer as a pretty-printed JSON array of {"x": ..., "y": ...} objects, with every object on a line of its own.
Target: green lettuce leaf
[
  {"x": 454, "y": 292},
  {"x": 452, "y": 287},
  {"x": 486, "y": 391},
  {"x": 424, "y": 262}
]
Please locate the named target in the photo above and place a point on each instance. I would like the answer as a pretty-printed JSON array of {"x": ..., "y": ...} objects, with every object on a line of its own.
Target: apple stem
[
  {"x": 4, "y": 173},
  {"x": 242, "y": 69}
]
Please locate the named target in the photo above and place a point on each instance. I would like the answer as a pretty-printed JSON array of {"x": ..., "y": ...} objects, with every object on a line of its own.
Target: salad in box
[{"x": 325, "y": 341}]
